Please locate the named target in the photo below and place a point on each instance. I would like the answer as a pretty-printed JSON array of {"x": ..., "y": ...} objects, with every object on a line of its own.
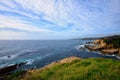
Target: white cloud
[
  {"x": 12, "y": 22},
  {"x": 11, "y": 35},
  {"x": 84, "y": 15},
  {"x": 8, "y": 3},
  {"x": 55, "y": 12},
  {"x": 59, "y": 12}
]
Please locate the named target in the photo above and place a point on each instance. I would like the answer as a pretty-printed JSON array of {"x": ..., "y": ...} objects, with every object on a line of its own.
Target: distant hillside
[
  {"x": 87, "y": 38},
  {"x": 93, "y": 38}
]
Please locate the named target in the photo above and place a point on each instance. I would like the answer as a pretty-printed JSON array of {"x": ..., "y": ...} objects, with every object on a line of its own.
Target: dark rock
[
  {"x": 2, "y": 78},
  {"x": 11, "y": 68},
  {"x": 89, "y": 42},
  {"x": 9, "y": 56},
  {"x": 8, "y": 69},
  {"x": 82, "y": 48},
  {"x": 21, "y": 64}
]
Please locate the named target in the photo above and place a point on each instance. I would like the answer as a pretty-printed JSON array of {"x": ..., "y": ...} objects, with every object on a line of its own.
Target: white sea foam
[
  {"x": 118, "y": 57},
  {"x": 11, "y": 64},
  {"x": 113, "y": 56},
  {"x": 19, "y": 53},
  {"x": 29, "y": 61},
  {"x": 79, "y": 46},
  {"x": 9, "y": 57},
  {"x": 38, "y": 58}
]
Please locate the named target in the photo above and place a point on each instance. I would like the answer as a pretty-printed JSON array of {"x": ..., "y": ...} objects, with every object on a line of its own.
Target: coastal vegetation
[
  {"x": 114, "y": 40},
  {"x": 74, "y": 68}
]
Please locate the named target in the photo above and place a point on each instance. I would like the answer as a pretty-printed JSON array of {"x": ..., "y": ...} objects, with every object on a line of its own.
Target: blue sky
[{"x": 58, "y": 19}]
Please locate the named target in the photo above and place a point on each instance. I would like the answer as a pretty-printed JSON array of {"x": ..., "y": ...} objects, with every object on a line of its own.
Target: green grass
[
  {"x": 85, "y": 69},
  {"x": 16, "y": 75}
]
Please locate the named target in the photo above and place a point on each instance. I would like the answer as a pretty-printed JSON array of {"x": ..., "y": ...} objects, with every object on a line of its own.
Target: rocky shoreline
[
  {"x": 8, "y": 70},
  {"x": 102, "y": 47}
]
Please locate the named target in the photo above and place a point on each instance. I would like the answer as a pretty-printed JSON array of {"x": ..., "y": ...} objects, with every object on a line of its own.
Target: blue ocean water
[{"x": 38, "y": 53}]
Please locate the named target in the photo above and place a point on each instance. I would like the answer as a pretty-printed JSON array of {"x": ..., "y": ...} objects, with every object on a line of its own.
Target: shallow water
[{"x": 38, "y": 53}]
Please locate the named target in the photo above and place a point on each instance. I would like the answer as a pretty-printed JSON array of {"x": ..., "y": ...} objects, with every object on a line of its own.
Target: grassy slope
[{"x": 85, "y": 69}]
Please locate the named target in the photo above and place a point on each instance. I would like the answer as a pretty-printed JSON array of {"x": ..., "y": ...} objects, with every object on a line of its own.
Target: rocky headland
[{"x": 106, "y": 45}]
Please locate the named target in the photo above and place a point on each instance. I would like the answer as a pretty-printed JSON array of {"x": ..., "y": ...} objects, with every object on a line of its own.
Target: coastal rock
[
  {"x": 110, "y": 51},
  {"x": 89, "y": 43},
  {"x": 98, "y": 41},
  {"x": 10, "y": 68},
  {"x": 69, "y": 59},
  {"x": 65, "y": 60},
  {"x": 106, "y": 45},
  {"x": 119, "y": 51},
  {"x": 94, "y": 48},
  {"x": 82, "y": 48}
]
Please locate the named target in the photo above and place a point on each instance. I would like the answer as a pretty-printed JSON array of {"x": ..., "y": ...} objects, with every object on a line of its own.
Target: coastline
[
  {"x": 69, "y": 67},
  {"x": 102, "y": 47},
  {"x": 94, "y": 46},
  {"x": 63, "y": 63},
  {"x": 98, "y": 52}
]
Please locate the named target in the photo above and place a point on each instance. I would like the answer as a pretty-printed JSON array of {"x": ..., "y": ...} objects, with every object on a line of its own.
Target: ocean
[{"x": 38, "y": 53}]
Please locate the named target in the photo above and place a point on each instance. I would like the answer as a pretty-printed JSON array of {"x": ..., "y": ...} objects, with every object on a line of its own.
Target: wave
[
  {"x": 29, "y": 61},
  {"x": 25, "y": 52},
  {"x": 79, "y": 46},
  {"x": 113, "y": 56},
  {"x": 21, "y": 53},
  {"x": 25, "y": 62},
  {"x": 8, "y": 57}
]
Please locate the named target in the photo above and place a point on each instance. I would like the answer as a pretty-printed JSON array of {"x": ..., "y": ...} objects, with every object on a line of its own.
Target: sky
[{"x": 58, "y": 19}]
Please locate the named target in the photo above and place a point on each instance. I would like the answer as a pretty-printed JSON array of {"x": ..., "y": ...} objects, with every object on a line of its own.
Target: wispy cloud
[
  {"x": 5, "y": 22},
  {"x": 63, "y": 18}
]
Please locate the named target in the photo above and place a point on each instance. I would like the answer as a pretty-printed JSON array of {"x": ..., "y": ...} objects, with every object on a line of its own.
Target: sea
[{"x": 38, "y": 53}]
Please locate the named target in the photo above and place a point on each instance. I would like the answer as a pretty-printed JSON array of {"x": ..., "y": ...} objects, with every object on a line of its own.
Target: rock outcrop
[
  {"x": 8, "y": 69},
  {"x": 65, "y": 60},
  {"x": 100, "y": 45}
]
